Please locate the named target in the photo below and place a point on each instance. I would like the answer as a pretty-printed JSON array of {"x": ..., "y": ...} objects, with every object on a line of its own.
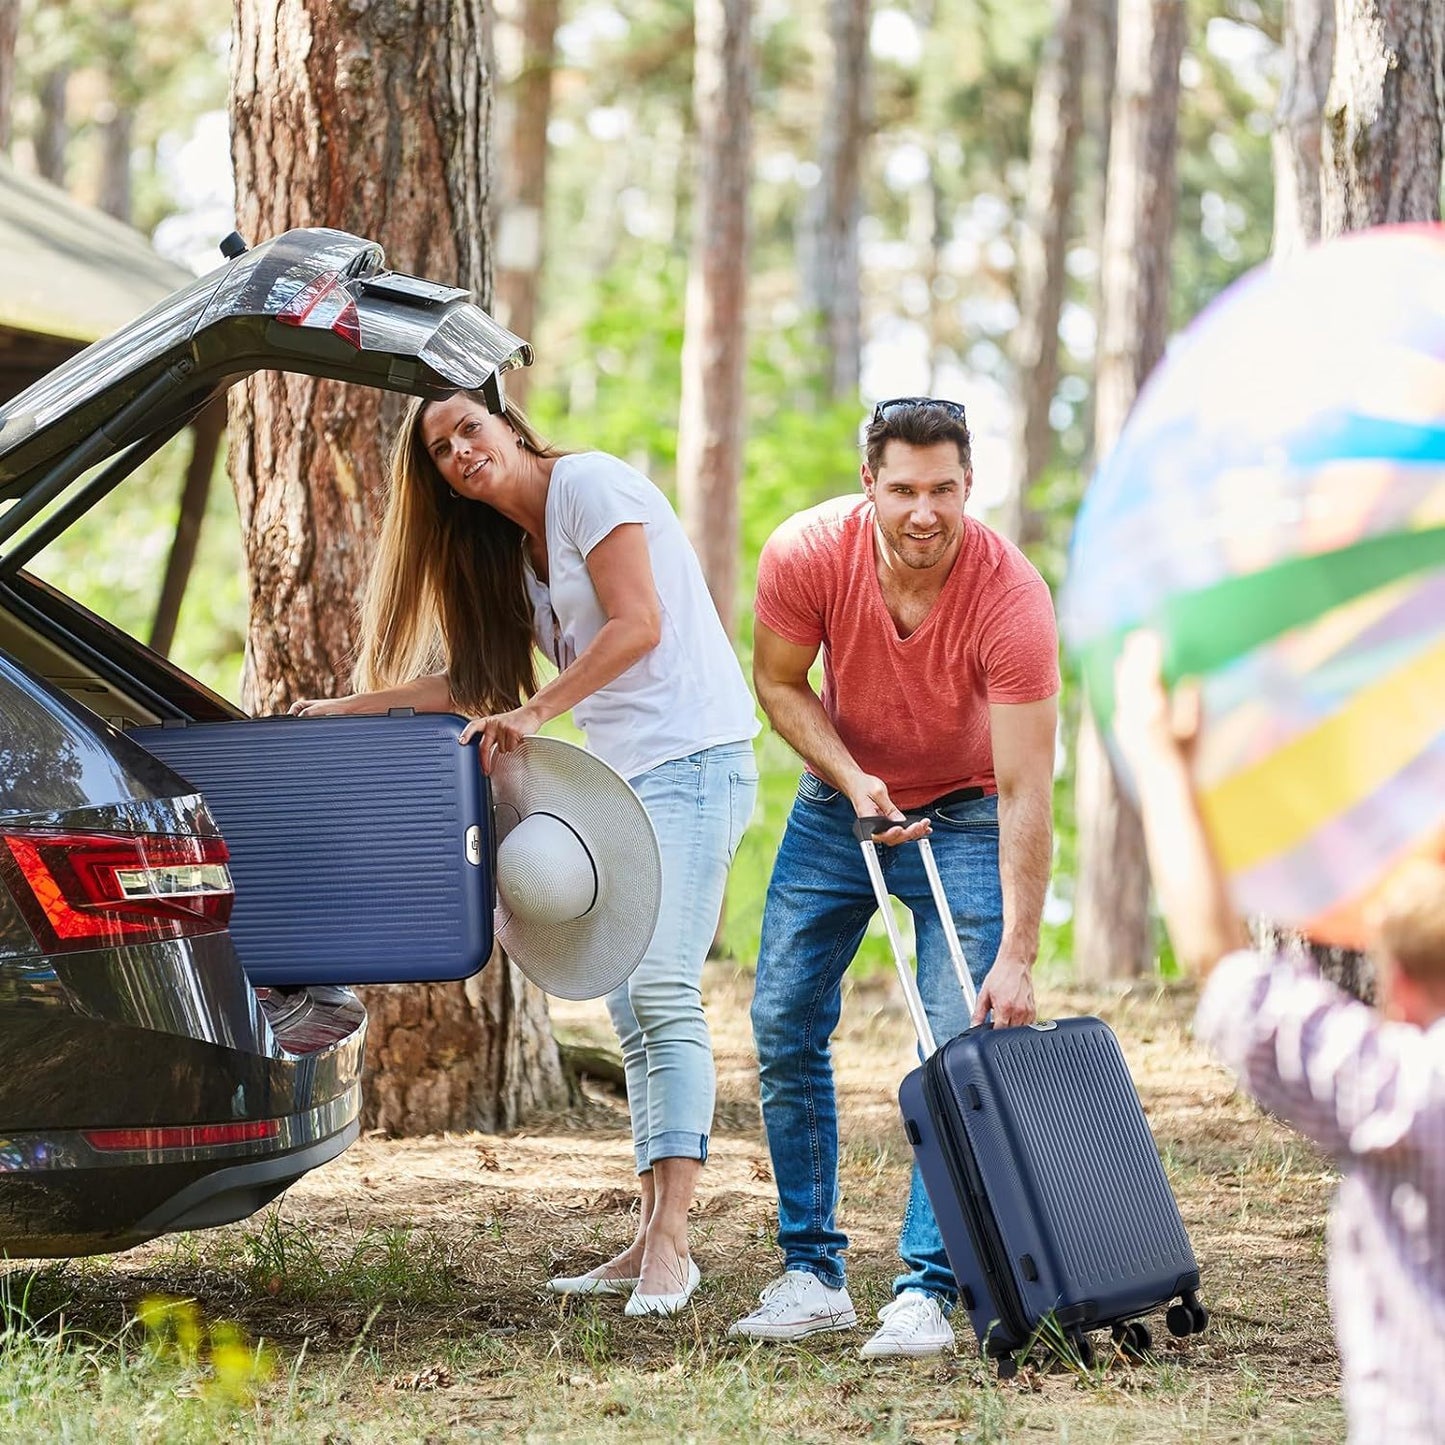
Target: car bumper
[{"x": 60, "y": 1195}]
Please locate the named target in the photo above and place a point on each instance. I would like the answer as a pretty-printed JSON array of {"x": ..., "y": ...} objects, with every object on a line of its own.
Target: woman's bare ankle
[
  {"x": 664, "y": 1264},
  {"x": 627, "y": 1265}
]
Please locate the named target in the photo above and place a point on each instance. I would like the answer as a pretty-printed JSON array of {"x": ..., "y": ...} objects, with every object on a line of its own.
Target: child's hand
[{"x": 1150, "y": 726}]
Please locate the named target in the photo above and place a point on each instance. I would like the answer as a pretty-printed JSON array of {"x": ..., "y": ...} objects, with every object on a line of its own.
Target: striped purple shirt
[{"x": 1371, "y": 1094}]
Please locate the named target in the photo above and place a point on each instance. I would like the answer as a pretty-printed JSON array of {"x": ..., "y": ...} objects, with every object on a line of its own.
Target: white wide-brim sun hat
[{"x": 579, "y": 874}]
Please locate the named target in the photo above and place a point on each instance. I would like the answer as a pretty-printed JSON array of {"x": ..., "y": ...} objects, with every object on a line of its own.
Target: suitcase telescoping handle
[{"x": 863, "y": 830}]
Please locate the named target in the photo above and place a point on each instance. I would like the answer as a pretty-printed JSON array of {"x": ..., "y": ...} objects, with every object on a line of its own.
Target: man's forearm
[
  {"x": 1025, "y": 856},
  {"x": 797, "y": 716}
]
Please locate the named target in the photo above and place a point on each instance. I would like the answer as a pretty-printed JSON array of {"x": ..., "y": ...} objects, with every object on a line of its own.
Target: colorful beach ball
[{"x": 1275, "y": 509}]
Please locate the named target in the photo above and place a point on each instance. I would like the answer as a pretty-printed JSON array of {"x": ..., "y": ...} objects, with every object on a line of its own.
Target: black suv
[{"x": 147, "y": 1086}]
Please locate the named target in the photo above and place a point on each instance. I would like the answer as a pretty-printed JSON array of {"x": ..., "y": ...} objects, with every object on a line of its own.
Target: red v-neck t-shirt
[{"x": 913, "y": 710}]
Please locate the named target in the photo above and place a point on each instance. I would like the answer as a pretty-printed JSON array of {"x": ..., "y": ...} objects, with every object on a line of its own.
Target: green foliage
[
  {"x": 166, "y": 1373},
  {"x": 397, "y": 1266},
  {"x": 616, "y": 386},
  {"x": 1226, "y": 190},
  {"x": 113, "y": 561}
]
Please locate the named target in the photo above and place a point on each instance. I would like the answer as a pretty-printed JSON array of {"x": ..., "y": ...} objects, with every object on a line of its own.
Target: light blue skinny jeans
[
  {"x": 699, "y": 806},
  {"x": 819, "y": 904}
]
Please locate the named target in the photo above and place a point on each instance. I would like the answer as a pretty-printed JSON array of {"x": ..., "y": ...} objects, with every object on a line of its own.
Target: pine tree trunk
[
  {"x": 522, "y": 230},
  {"x": 831, "y": 286},
  {"x": 9, "y": 33},
  {"x": 115, "y": 144},
  {"x": 372, "y": 118},
  {"x": 52, "y": 135},
  {"x": 1111, "y": 919},
  {"x": 206, "y": 432},
  {"x": 1385, "y": 114},
  {"x": 1102, "y": 45},
  {"x": 1309, "y": 47},
  {"x": 710, "y": 423},
  {"x": 1055, "y": 125}
]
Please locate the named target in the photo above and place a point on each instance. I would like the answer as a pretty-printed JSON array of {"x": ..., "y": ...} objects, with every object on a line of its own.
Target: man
[
  {"x": 1367, "y": 1086},
  {"x": 940, "y": 682}
]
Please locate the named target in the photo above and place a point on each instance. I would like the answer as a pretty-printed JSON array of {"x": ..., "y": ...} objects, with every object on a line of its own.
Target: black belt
[{"x": 958, "y": 795}]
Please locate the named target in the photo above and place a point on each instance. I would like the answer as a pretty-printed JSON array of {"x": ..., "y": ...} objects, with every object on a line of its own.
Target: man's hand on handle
[
  {"x": 1009, "y": 988},
  {"x": 1009, "y": 992},
  {"x": 869, "y": 797}
]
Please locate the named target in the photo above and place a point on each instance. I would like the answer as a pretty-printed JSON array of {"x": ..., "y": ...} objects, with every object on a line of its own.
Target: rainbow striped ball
[{"x": 1275, "y": 509}]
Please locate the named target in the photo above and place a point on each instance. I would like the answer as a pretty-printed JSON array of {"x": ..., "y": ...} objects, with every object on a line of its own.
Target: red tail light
[
  {"x": 93, "y": 890},
  {"x": 324, "y": 302},
  {"x": 185, "y": 1136}
]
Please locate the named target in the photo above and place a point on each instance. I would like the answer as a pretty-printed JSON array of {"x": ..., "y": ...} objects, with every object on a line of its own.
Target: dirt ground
[{"x": 418, "y": 1263}]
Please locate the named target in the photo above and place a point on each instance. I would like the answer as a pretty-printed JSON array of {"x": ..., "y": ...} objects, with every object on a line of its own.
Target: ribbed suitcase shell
[
  {"x": 1040, "y": 1131},
  {"x": 350, "y": 846}
]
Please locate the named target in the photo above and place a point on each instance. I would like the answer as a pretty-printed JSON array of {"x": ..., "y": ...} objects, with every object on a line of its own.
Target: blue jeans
[
  {"x": 819, "y": 904},
  {"x": 699, "y": 806}
]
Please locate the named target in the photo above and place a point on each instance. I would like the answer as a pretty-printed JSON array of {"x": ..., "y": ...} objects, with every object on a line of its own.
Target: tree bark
[
  {"x": 1112, "y": 936},
  {"x": 522, "y": 232},
  {"x": 458, "y": 1056},
  {"x": 1055, "y": 124},
  {"x": 1102, "y": 43},
  {"x": 1309, "y": 47},
  {"x": 115, "y": 145},
  {"x": 9, "y": 33},
  {"x": 831, "y": 287},
  {"x": 206, "y": 432},
  {"x": 373, "y": 118},
  {"x": 52, "y": 135},
  {"x": 1385, "y": 114},
  {"x": 710, "y": 422}
]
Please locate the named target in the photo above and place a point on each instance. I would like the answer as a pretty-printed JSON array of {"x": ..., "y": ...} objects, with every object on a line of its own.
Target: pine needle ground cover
[{"x": 395, "y": 1294}]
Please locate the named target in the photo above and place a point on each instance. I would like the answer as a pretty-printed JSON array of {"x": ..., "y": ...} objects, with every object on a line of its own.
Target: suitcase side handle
[{"x": 863, "y": 830}]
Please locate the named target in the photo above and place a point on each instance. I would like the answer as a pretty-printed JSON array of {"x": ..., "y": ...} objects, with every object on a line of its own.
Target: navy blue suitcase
[
  {"x": 1054, "y": 1207},
  {"x": 361, "y": 847}
]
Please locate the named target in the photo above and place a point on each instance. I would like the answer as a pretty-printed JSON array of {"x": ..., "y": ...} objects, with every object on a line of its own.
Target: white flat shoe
[
  {"x": 591, "y": 1284},
  {"x": 664, "y": 1304}
]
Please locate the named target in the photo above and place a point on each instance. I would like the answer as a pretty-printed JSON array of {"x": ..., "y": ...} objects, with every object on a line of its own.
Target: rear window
[{"x": 113, "y": 562}]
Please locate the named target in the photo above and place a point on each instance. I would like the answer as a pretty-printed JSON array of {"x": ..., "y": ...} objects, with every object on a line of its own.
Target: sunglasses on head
[{"x": 948, "y": 408}]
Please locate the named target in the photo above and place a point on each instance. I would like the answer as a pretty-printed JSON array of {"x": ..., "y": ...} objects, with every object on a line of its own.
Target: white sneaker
[
  {"x": 913, "y": 1324},
  {"x": 795, "y": 1305}
]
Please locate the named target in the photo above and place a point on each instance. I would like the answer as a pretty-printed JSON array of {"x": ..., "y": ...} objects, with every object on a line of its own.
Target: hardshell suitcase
[
  {"x": 361, "y": 847},
  {"x": 1046, "y": 1183}
]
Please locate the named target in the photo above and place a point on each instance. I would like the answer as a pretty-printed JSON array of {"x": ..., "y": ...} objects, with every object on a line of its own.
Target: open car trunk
[{"x": 360, "y": 847}]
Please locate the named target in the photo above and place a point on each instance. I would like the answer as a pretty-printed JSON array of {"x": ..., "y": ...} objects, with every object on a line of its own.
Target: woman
[{"x": 492, "y": 540}]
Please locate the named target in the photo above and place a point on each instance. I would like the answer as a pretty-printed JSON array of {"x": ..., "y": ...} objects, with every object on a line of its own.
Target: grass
[{"x": 394, "y": 1295}]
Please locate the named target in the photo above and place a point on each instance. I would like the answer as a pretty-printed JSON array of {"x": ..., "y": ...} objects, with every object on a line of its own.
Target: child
[{"x": 1365, "y": 1084}]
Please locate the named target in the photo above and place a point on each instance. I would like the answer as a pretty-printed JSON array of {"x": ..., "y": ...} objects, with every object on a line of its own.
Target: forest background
[
  {"x": 727, "y": 228},
  {"x": 125, "y": 106}
]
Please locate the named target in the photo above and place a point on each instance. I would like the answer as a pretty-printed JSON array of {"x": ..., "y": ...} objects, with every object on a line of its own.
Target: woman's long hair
[{"x": 446, "y": 591}]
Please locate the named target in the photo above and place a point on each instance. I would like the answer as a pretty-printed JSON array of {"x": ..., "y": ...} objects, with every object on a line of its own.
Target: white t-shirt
[{"x": 688, "y": 692}]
